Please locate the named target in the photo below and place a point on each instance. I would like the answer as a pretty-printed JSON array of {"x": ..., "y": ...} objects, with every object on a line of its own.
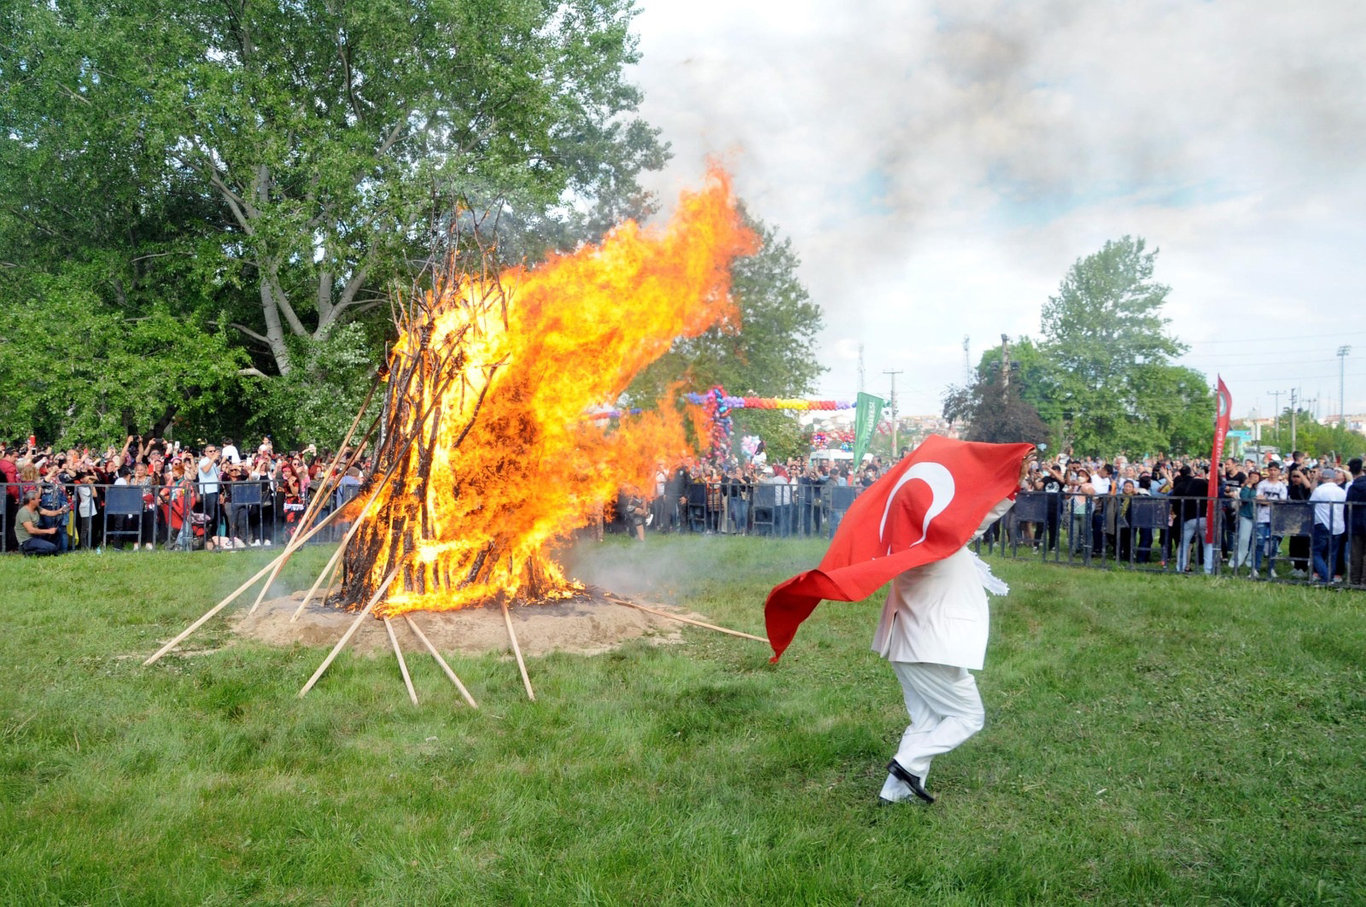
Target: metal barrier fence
[
  {"x": 1139, "y": 532},
  {"x": 1159, "y": 534},
  {"x": 776, "y": 510},
  {"x": 142, "y": 517}
]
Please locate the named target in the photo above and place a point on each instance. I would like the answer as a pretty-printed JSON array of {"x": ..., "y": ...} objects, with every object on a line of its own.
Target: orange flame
[{"x": 517, "y": 467}]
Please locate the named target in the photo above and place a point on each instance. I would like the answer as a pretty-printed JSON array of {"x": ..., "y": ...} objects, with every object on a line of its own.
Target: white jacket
[{"x": 938, "y": 612}]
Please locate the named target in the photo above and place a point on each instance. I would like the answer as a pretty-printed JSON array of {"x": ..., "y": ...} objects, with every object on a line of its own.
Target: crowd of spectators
[
  {"x": 209, "y": 496},
  {"x": 1152, "y": 510},
  {"x": 1106, "y": 510}
]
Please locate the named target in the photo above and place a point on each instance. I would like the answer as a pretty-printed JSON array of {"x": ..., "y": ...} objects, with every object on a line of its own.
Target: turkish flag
[{"x": 926, "y": 508}]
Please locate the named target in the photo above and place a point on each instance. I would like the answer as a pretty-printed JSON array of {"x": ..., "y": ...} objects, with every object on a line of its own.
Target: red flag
[
  {"x": 926, "y": 508},
  {"x": 1223, "y": 402}
]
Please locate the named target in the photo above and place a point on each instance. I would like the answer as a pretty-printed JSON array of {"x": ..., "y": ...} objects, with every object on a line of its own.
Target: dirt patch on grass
[{"x": 585, "y": 626}]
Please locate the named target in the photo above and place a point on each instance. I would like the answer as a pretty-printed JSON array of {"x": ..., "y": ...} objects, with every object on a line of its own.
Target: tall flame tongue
[{"x": 489, "y": 453}]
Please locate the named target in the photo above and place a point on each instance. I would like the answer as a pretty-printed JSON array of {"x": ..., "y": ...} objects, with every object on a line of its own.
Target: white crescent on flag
[{"x": 940, "y": 481}]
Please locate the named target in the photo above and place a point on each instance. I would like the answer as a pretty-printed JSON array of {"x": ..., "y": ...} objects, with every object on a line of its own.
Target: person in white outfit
[{"x": 934, "y": 632}]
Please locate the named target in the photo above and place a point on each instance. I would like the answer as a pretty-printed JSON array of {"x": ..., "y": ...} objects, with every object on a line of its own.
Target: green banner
[{"x": 867, "y": 411}]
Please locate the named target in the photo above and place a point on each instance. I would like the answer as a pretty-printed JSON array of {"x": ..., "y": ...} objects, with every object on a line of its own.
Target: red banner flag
[
  {"x": 926, "y": 508},
  {"x": 1223, "y": 402}
]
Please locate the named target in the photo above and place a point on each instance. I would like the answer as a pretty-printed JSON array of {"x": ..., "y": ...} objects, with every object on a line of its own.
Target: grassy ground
[{"x": 1150, "y": 739}]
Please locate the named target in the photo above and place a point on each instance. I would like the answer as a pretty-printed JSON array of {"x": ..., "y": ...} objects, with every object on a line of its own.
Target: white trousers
[{"x": 945, "y": 710}]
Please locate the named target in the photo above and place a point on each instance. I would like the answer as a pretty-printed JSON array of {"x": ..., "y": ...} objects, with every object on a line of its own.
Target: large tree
[
  {"x": 1105, "y": 335},
  {"x": 277, "y": 166}
]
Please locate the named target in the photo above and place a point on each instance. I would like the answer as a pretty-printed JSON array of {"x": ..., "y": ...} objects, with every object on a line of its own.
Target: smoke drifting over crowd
[{"x": 924, "y": 156}]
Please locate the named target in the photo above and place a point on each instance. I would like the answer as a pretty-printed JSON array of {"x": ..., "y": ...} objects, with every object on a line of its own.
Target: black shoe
[{"x": 913, "y": 781}]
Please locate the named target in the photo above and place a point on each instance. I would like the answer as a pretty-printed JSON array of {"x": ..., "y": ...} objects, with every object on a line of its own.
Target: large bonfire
[{"x": 486, "y": 457}]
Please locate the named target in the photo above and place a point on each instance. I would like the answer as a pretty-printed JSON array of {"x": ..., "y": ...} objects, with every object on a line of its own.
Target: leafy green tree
[
  {"x": 275, "y": 167},
  {"x": 1319, "y": 440},
  {"x": 1108, "y": 343},
  {"x": 1178, "y": 408},
  {"x": 784, "y": 435},
  {"x": 78, "y": 371}
]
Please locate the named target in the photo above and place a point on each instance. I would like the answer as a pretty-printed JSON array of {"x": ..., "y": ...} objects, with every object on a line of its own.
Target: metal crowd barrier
[
  {"x": 778, "y": 511},
  {"x": 142, "y": 517},
  {"x": 1138, "y": 532},
  {"x": 1146, "y": 533}
]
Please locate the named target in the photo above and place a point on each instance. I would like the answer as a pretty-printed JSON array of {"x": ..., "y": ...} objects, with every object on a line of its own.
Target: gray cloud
[{"x": 939, "y": 167}]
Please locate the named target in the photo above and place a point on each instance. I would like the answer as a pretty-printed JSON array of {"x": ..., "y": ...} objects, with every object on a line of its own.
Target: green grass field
[{"x": 1150, "y": 739}]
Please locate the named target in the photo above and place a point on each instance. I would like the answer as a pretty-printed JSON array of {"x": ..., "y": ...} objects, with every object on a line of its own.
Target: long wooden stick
[
  {"x": 331, "y": 567},
  {"x": 290, "y": 546},
  {"x": 331, "y": 584},
  {"x": 517, "y": 650},
  {"x": 351, "y": 631},
  {"x": 402, "y": 665},
  {"x": 238, "y": 591},
  {"x": 441, "y": 661},
  {"x": 686, "y": 620},
  {"x": 355, "y": 526}
]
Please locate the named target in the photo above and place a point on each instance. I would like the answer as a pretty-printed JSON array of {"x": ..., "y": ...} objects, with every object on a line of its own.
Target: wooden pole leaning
[
  {"x": 441, "y": 661},
  {"x": 402, "y": 665},
  {"x": 517, "y": 650},
  {"x": 686, "y": 620},
  {"x": 331, "y": 584},
  {"x": 346, "y": 540},
  {"x": 238, "y": 591},
  {"x": 331, "y": 567},
  {"x": 290, "y": 546},
  {"x": 351, "y": 631}
]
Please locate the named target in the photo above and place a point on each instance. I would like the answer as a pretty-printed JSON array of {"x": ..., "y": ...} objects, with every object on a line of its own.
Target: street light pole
[
  {"x": 1294, "y": 402},
  {"x": 893, "y": 373},
  {"x": 1276, "y": 417},
  {"x": 1343, "y": 351}
]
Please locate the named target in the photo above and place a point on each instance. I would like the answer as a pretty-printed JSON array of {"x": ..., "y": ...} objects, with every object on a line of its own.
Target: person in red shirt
[{"x": 9, "y": 477}]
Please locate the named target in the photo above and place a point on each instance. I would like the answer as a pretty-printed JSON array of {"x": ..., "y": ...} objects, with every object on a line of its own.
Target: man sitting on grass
[{"x": 33, "y": 538}]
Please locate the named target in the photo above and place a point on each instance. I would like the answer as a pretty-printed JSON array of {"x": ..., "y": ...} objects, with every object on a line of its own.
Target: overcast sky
[{"x": 940, "y": 167}]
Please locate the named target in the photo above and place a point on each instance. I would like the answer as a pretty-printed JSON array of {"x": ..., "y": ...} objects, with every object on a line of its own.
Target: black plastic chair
[
  {"x": 697, "y": 506},
  {"x": 124, "y": 501},
  {"x": 762, "y": 507}
]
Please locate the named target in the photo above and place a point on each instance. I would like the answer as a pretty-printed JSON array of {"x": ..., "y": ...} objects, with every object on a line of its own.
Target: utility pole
[
  {"x": 1294, "y": 402},
  {"x": 1276, "y": 415},
  {"x": 894, "y": 372},
  {"x": 860, "y": 368},
  {"x": 1005, "y": 367},
  {"x": 1343, "y": 352},
  {"x": 967, "y": 360}
]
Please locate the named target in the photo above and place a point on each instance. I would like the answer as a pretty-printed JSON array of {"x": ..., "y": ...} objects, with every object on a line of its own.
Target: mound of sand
[{"x": 588, "y": 625}]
